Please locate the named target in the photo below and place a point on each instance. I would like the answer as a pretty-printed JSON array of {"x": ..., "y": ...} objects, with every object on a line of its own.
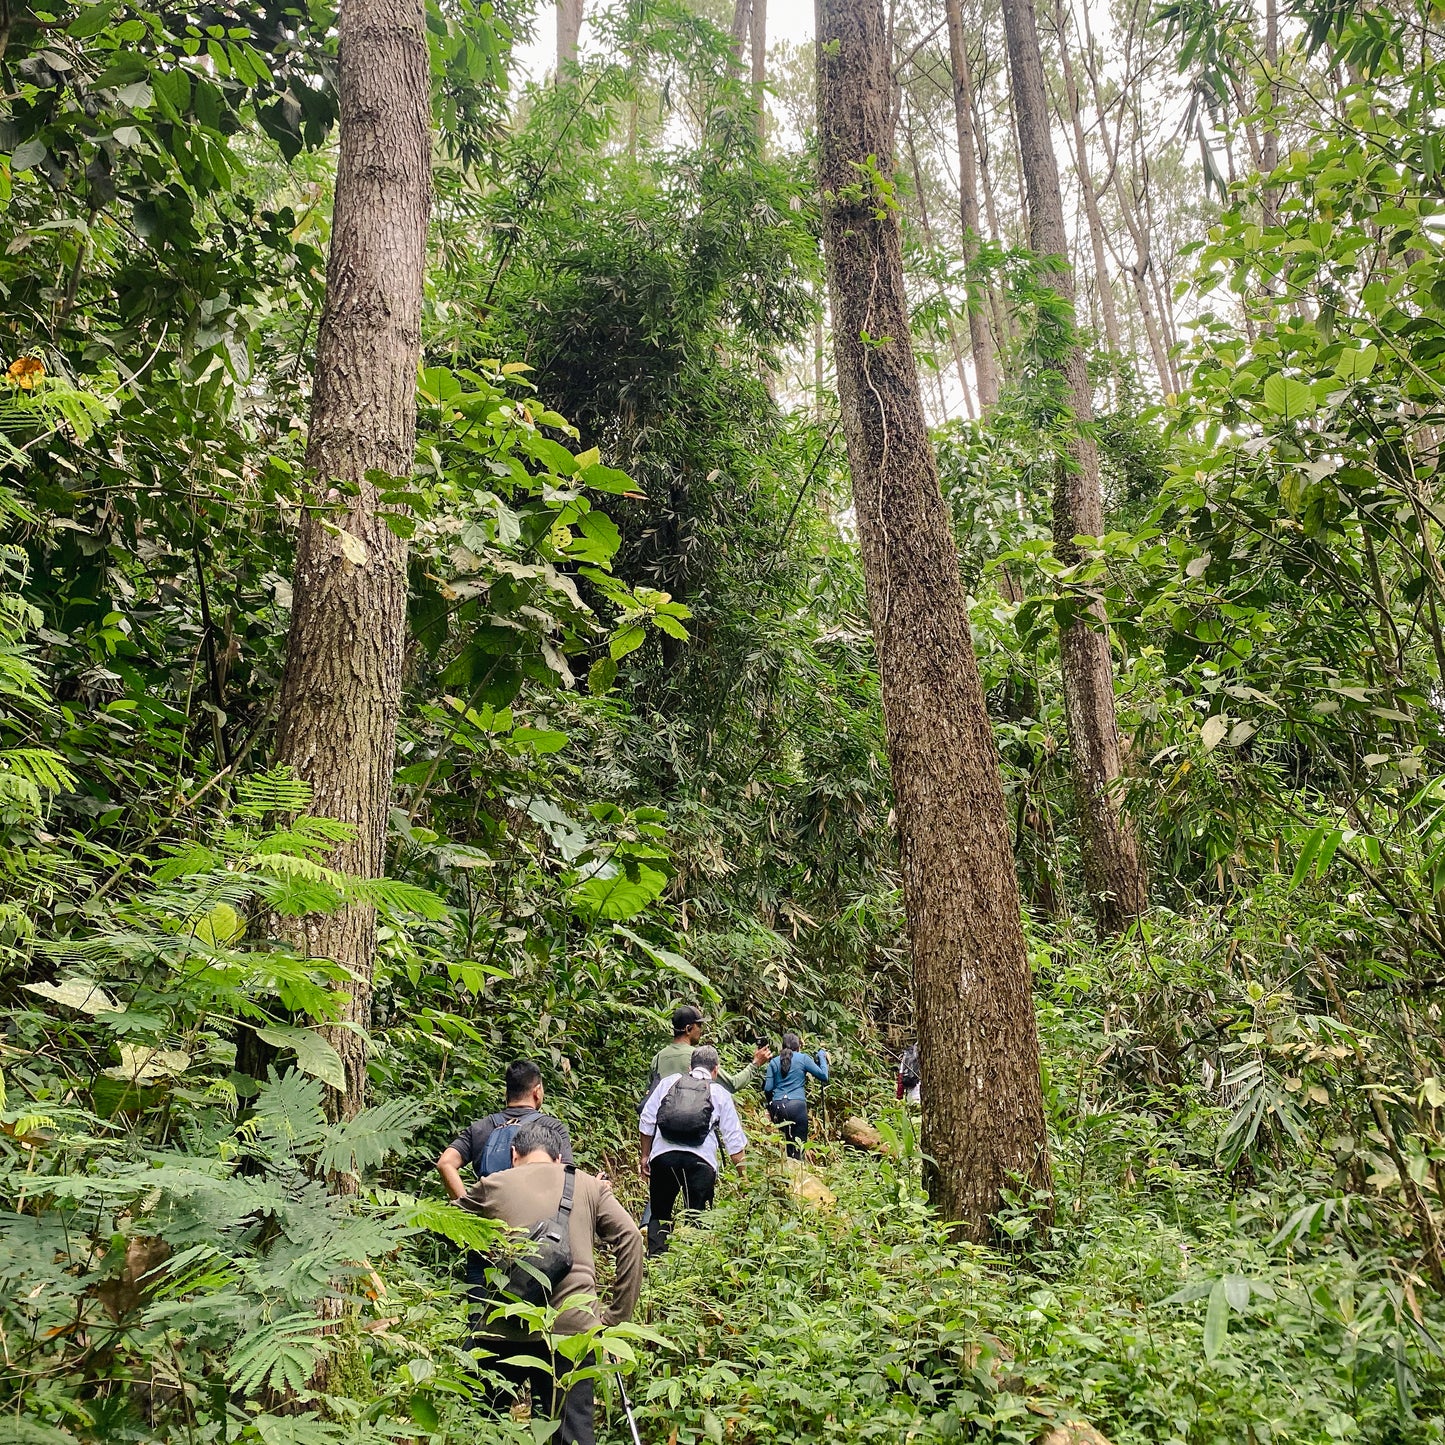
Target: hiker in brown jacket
[{"x": 522, "y": 1196}]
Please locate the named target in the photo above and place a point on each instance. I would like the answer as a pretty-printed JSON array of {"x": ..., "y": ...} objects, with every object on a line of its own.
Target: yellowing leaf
[
  {"x": 221, "y": 926},
  {"x": 1213, "y": 731},
  {"x": 142, "y": 1064},
  {"x": 352, "y": 548},
  {"x": 513, "y": 368},
  {"x": 82, "y": 994}
]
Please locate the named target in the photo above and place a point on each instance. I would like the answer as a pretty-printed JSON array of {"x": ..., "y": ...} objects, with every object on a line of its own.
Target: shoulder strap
[{"x": 569, "y": 1181}]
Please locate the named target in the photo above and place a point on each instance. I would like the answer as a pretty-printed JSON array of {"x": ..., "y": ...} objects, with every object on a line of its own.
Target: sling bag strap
[{"x": 569, "y": 1180}]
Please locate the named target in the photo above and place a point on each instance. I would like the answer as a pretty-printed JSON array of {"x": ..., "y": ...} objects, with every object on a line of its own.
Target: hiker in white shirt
[{"x": 679, "y": 1142}]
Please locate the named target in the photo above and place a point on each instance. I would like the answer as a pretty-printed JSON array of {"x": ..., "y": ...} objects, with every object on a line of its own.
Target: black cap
[{"x": 685, "y": 1017}]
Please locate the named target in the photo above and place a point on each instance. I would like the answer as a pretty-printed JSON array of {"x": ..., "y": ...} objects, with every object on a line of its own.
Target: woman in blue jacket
[{"x": 785, "y": 1087}]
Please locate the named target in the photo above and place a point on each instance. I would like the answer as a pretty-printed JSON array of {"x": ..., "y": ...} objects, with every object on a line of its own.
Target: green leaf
[
  {"x": 601, "y": 675},
  {"x": 608, "y": 479},
  {"x": 314, "y": 1056},
  {"x": 1307, "y": 855},
  {"x": 1356, "y": 365},
  {"x": 626, "y": 639},
  {"x": 1287, "y": 398},
  {"x": 1216, "y": 1320}
]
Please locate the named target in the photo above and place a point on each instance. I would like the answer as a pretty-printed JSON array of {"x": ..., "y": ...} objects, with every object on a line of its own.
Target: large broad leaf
[
  {"x": 1287, "y": 398},
  {"x": 668, "y": 959},
  {"x": 616, "y": 893},
  {"x": 314, "y": 1055}
]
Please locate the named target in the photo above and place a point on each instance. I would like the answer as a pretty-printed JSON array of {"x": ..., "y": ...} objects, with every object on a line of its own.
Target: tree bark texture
[
  {"x": 569, "y": 33},
  {"x": 341, "y": 691},
  {"x": 1109, "y": 845},
  {"x": 983, "y": 1119},
  {"x": 980, "y": 341}
]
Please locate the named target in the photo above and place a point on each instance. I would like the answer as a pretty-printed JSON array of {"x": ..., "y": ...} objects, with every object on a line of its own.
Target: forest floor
[{"x": 1164, "y": 1309}]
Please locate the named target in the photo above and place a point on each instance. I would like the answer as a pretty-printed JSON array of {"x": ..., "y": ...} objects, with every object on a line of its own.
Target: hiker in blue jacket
[{"x": 785, "y": 1088}]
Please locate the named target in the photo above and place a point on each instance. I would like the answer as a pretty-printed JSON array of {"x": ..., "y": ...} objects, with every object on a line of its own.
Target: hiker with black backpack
[
  {"x": 680, "y": 1125},
  {"x": 487, "y": 1143},
  {"x": 565, "y": 1215}
]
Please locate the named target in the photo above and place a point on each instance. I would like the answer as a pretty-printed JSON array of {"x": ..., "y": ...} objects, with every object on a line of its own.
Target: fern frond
[
  {"x": 281, "y": 1355},
  {"x": 398, "y": 899},
  {"x": 277, "y": 791},
  {"x": 360, "y": 1143}
]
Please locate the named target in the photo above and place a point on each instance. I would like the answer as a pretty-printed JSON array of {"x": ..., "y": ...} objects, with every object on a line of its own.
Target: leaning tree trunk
[
  {"x": 983, "y": 1119},
  {"x": 341, "y": 691},
  {"x": 1110, "y": 847}
]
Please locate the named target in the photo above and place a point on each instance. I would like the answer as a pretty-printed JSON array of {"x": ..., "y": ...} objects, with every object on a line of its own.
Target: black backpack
[
  {"x": 685, "y": 1114},
  {"x": 908, "y": 1069},
  {"x": 533, "y": 1275}
]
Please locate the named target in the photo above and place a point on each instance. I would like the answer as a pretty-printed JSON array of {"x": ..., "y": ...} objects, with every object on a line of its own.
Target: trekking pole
[{"x": 627, "y": 1409}]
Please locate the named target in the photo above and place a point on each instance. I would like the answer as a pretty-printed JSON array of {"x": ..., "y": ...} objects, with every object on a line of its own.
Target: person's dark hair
[
  {"x": 704, "y": 1057},
  {"x": 522, "y": 1077},
  {"x": 543, "y": 1132},
  {"x": 791, "y": 1044},
  {"x": 684, "y": 1018}
]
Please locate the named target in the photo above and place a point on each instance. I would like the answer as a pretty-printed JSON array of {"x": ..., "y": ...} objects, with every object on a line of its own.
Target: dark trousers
[
  {"x": 675, "y": 1173},
  {"x": 574, "y": 1407},
  {"x": 791, "y": 1117}
]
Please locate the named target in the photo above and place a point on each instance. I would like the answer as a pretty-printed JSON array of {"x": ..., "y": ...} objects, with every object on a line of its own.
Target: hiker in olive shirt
[
  {"x": 525, "y": 1195},
  {"x": 676, "y": 1058}
]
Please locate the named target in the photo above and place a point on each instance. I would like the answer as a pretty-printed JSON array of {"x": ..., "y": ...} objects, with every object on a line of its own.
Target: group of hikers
[{"x": 521, "y": 1158}]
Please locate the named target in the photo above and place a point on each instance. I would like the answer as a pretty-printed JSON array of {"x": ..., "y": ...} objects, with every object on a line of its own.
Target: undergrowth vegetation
[{"x": 641, "y": 754}]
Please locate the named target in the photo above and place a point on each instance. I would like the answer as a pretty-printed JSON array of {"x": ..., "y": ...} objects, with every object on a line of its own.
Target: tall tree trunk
[
  {"x": 758, "y": 26},
  {"x": 742, "y": 24},
  {"x": 980, "y": 341},
  {"x": 1103, "y": 285},
  {"x": 1110, "y": 848},
  {"x": 1002, "y": 330},
  {"x": 569, "y": 32},
  {"x": 983, "y": 1121},
  {"x": 341, "y": 690},
  {"x": 1138, "y": 269}
]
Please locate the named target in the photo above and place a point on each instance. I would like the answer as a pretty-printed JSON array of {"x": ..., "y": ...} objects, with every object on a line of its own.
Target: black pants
[
  {"x": 575, "y": 1407},
  {"x": 675, "y": 1173},
  {"x": 791, "y": 1117}
]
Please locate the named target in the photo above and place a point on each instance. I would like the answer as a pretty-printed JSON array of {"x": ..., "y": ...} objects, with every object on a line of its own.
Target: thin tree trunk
[
  {"x": 932, "y": 253},
  {"x": 341, "y": 691},
  {"x": 742, "y": 24},
  {"x": 569, "y": 32},
  {"x": 1002, "y": 330},
  {"x": 980, "y": 342},
  {"x": 758, "y": 27},
  {"x": 983, "y": 1121},
  {"x": 1138, "y": 270},
  {"x": 1109, "y": 846},
  {"x": 1103, "y": 285},
  {"x": 1269, "y": 157}
]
